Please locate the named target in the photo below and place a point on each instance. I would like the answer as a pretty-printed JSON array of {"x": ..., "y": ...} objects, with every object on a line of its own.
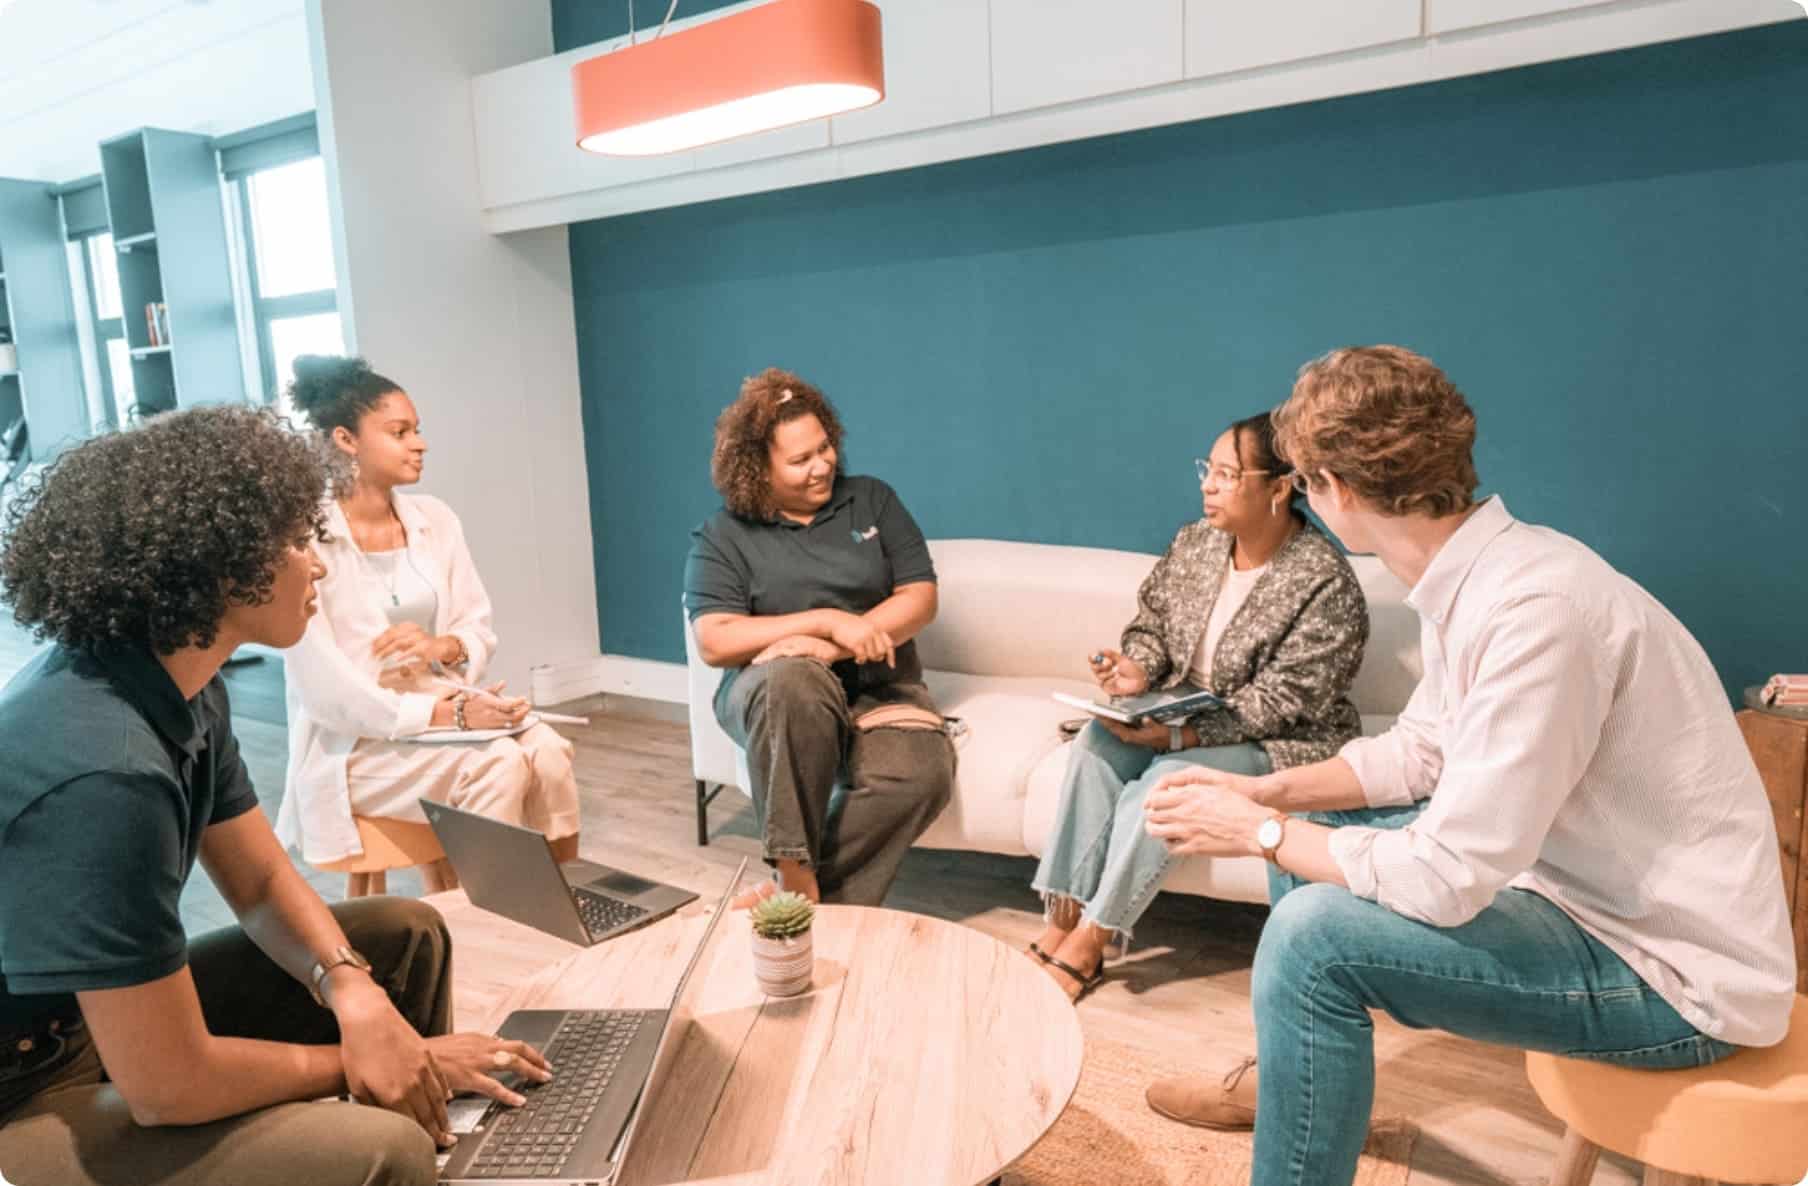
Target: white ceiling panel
[{"x": 76, "y": 72}]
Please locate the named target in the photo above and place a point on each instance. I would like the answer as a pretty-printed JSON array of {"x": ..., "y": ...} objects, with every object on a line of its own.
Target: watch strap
[{"x": 339, "y": 958}]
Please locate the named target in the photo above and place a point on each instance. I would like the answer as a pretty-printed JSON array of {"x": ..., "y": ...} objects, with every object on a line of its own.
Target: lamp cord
[
  {"x": 632, "y": 40},
  {"x": 666, "y": 21}
]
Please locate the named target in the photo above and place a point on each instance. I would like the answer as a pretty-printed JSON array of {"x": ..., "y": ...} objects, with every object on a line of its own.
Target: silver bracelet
[{"x": 458, "y": 713}]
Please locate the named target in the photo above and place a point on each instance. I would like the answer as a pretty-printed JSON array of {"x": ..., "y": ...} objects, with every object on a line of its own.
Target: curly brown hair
[
  {"x": 145, "y": 537},
  {"x": 740, "y": 466},
  {"x": 1388, "y": 423}
]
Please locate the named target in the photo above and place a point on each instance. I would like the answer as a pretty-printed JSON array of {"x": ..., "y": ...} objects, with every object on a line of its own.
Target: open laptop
[
  {"x": 510, "y": 871},
  {"x": 577, "y": 1129}
]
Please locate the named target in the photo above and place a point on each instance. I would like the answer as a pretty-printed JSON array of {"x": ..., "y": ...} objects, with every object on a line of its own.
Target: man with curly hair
[
  {"x": 128, "y": 1053},
  {"x": 1561, "y": 845}
]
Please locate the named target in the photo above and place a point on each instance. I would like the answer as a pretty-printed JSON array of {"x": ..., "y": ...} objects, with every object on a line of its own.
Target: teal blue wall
[{"x": 1608, "y": 256}]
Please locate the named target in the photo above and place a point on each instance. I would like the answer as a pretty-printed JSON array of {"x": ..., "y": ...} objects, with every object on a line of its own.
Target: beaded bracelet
[{"x": 458, "y": 712}]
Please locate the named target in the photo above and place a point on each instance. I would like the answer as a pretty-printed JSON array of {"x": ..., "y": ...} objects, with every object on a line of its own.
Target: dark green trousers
[{"x": 65, "y": 1125}]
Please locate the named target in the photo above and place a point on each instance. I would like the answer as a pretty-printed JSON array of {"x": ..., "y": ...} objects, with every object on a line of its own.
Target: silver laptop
[
  {"x": 577, "y": 1129},
  {"x": 510, "y": 871}
]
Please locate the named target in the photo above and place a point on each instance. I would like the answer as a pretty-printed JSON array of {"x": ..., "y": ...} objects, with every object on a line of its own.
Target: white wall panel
[
  {"x": 1057, "y": 51},
  {"x": 938, "y": 56},
  {"x": 1223, "y": 36}
]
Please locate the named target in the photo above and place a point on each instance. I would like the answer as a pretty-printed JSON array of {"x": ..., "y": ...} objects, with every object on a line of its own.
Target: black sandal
[{"x": 1086, "y": 983}]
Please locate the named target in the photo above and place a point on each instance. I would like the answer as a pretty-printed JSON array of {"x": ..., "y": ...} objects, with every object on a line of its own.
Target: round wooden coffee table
[{"x": 925, "y": 1052}]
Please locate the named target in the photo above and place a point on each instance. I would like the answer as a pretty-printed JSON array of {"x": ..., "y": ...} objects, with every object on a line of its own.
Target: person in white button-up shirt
[
  {"x": 402, "y": 634},
  {"x": 1561, "y": 845}
]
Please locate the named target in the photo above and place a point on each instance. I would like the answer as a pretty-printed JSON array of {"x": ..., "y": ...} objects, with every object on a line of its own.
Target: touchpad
[{"x": 622, "y": 885}]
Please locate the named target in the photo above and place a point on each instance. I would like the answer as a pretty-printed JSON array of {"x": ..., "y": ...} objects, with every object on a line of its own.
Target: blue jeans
[
  {"x": 1099, "y": 854},
  {"x": 1521, "y": 973}
]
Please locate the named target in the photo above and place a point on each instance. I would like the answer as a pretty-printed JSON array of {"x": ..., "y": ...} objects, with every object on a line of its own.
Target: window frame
[{"x": 265, "y": 310}]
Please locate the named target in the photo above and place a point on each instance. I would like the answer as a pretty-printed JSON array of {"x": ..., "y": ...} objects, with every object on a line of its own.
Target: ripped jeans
[
  {"x": 845, "y": 801},
  {"x": 1098, "y": 853}
]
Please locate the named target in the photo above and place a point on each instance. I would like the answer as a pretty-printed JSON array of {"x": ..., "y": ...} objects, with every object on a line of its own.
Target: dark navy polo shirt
[
  {"x": 853, "y": 555},
  {"x": 109, "y": 779}
]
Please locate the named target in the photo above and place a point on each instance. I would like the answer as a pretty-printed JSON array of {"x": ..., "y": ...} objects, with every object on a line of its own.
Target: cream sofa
[{"x": 1016, "y": 623}]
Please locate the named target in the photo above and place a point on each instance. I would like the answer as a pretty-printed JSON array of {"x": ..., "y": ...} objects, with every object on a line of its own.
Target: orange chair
[
  {"x": 1743, "y": 1119},
  {"x": 392, "y": 844}
]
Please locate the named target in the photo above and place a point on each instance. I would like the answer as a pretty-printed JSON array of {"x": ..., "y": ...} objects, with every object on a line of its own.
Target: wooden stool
[
  {"x": 1743, "y": 1119},
  {"x": 392, "y": 844}
]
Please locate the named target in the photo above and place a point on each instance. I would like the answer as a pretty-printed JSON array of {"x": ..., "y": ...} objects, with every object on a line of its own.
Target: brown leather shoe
[{"x": 1205, "y": 1101}]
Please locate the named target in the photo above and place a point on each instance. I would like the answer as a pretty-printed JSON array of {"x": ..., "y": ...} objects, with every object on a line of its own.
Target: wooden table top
[{"x": 925, "y": 1052}]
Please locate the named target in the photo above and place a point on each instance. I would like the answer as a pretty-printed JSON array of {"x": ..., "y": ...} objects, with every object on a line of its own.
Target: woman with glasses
[{"x": 1251, "y": 603}]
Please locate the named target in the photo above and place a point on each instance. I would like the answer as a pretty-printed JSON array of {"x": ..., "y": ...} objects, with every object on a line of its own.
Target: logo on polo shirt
[{"x": 861, "y": 537}]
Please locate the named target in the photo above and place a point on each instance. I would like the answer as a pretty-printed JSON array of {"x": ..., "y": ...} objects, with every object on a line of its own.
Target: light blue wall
[{"x": 1608, "y": 255}]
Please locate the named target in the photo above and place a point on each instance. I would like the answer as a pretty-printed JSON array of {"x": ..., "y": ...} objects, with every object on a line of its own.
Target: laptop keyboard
[
  {"x": 603, "y": 915},
  {"x": 536, "y": 1139}
]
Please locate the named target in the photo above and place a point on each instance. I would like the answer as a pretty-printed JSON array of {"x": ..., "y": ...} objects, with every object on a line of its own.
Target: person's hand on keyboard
[{"x": 471, "y": 1062}]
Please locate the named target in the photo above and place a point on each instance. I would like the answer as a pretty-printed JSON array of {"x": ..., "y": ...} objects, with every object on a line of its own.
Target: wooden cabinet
[{"x": 1780, "y": 747}]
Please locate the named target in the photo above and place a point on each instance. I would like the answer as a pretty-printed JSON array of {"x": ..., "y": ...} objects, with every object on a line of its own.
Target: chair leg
[
  {"x": 1576, "y": 1161},
  {"x": 702, "y": 814},
  {"x": 438, "y": 877},
  {"x": 357, "y": 885},
  {"x": 1657, "y": 1177}
]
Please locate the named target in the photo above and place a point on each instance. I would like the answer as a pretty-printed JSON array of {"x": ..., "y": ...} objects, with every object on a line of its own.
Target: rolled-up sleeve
[
  {"x": 1403, "y": 764},
  {"x": 1520, "y": 742},
  {"x": 345, "y": 699}
]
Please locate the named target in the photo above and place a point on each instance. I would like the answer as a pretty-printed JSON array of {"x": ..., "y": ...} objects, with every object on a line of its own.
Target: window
[
  {"x": 288, "y": 274},
  {"x": 291, "y": 337},
  {"x": 94, "y": 273}
]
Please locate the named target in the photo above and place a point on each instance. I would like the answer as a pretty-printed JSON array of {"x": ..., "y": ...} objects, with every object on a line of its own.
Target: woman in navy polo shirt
[{"x": 807, "y": 587}]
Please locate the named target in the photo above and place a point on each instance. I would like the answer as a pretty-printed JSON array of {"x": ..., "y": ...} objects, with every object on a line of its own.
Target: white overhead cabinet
[
  {"x": 1224, "y": 36},
  {"x": 965, "y": 78},
  {"x": 1445, "y": 16},
  {"x": 1046, "y": 52},
  {"x": 938, "y": 56}
]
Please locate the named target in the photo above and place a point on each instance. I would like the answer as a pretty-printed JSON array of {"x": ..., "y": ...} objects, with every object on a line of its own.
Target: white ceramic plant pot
[{"x": 783, "y": 967}]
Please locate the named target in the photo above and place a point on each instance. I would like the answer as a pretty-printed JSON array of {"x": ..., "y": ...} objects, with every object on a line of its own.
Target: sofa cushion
[{"x": 1012, "y": 725}]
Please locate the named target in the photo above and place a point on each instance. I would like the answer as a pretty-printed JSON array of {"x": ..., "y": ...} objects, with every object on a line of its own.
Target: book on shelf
[{"x": 156, "y": 323}]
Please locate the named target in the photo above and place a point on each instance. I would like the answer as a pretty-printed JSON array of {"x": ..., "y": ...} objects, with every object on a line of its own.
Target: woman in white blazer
[{"x": 404, "y": 622}]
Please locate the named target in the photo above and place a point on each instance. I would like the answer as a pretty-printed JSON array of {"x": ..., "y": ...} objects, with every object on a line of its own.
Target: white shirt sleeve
[
  {"x": 467, "y": 604},
  {"x": 1526, "y": 732},
  {"x": 1403, "y": 764},
  {"x": 346, "y": 700}
]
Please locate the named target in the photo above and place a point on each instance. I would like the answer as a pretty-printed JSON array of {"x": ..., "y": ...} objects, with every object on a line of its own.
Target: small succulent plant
[{"x": 782, "y": 916}]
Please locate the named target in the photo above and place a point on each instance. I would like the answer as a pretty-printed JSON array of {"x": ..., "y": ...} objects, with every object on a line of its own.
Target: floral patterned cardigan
[{"x": 1286, "y": 661}]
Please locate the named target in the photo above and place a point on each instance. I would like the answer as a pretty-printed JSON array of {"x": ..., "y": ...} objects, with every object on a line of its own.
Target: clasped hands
[
  {"x": 850, "y": 637},
  {"x": 1200, "y": 811},
  {"x": 410, "y": 652}
]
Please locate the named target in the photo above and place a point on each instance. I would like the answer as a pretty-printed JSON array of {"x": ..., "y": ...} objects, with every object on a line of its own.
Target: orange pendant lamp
[{"x": 782, "y": 63}]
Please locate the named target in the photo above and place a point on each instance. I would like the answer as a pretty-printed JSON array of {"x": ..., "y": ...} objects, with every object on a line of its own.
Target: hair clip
[{"x": 784, "y": 395}]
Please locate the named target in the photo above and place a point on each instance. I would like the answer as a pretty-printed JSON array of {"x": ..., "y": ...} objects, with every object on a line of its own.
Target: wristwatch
[
  {"x": 340, "y": 955},
  {"x": 1271, "y": 833}
]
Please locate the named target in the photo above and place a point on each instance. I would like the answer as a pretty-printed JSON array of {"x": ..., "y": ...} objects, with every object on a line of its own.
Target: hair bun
[{"x": 321, "y": 380}]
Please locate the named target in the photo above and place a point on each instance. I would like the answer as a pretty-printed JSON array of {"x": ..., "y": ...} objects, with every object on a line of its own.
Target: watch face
[{"x": 1269, "y": 834}]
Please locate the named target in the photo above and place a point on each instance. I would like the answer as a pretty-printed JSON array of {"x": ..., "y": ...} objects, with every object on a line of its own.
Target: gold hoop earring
[{"x": 1274, "y": 508}]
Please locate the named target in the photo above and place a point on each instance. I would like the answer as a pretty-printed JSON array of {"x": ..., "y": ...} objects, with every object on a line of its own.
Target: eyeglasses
[{"x": 1221, "y": 475}]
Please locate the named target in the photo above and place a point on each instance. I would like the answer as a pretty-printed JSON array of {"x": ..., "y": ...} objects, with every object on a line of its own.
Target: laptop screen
[{"x": 683, "y": 1008}]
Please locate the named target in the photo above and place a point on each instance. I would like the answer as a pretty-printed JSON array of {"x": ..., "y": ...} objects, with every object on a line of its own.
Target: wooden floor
[{"x": 1183, "y": 990}]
